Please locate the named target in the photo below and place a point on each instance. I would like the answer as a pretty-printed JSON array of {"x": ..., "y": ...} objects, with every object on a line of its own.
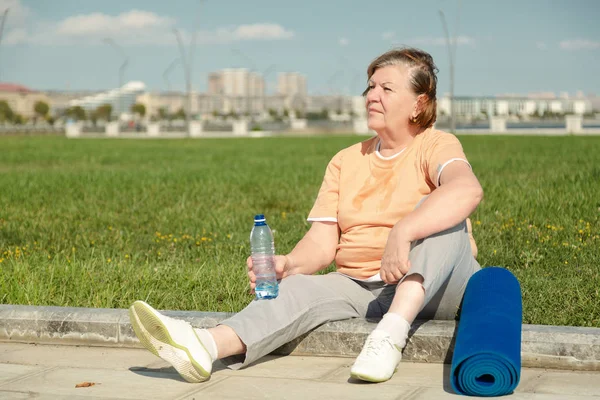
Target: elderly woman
[{"x": 392, "y": 212}]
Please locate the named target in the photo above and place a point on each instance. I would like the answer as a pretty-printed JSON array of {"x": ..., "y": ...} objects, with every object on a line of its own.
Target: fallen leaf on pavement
[{"x": 84, "y": 384}]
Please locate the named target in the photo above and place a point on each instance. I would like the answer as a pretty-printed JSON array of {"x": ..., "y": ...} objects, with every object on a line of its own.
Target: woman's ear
[{"x": 419, "y": 105}]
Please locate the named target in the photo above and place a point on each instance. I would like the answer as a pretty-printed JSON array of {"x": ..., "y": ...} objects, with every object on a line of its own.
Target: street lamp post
[
  {"x": 168, "y": 71},
  {"x": 2, "y": 24},
  {"x": 451, "y": 45},
  {"x": 266, "y": 72},
  {"x": 122, "y": 67},
  {"x": 187, "y": 68}
]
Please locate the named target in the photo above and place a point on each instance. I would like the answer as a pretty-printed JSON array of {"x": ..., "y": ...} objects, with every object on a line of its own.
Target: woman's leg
[
  {"x": 444, "y": 262},
  {"x": 441, "y": 266},
  {"x": 304, "y": 302},
  {"x": 227, "y": 342}
]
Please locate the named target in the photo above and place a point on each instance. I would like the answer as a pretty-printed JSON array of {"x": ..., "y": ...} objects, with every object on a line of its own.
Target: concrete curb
[{"x": 557, "y": 347}]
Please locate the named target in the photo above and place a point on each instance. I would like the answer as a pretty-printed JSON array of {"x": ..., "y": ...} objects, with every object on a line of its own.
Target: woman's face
[{"x": 390, "y": 102}]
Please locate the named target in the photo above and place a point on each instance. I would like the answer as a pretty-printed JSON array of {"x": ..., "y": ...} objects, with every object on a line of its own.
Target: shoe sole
[
  {"x": 155, "y": 337},
  {"x": 367, "y": 378}
]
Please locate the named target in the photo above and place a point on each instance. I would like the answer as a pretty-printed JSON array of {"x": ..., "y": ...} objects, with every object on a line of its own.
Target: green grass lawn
[{"x": 101, "y": 223}]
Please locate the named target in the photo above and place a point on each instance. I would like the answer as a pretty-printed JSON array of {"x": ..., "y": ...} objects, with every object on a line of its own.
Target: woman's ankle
[{"x": 227, "y": 342}]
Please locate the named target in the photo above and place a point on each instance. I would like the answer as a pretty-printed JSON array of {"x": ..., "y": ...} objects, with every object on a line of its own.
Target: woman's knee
[{"x": 454, "y": 236}]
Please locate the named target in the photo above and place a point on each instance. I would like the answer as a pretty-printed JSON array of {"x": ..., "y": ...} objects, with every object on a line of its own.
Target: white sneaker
[
  {"x": 378, "y": 359},
  {"x": 173, "y": 340}
]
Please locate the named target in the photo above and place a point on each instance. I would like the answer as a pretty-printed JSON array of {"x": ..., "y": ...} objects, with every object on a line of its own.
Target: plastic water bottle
[{"x": 263, "y": 259}]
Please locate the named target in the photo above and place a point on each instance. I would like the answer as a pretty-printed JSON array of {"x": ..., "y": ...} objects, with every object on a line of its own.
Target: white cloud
[
  {"x": 138, "y": 27},
  {"x": 128, "y": 28},
  {"x": 98, "y": 24},
  {"x": 261, "y": 31},
  {"x": 441, "y": 41},
  {"x": 344, "y": 41},
  {"x": 131, "y": 27},
  {"x": 18, "y": 13},
  {"x": 579, "y": 44},
  {"x": 15, "y": 36},
  {"x": 265, "y": 31},
  {"x": 541, "y": 45},
  {"x": 388, "y": 35}
]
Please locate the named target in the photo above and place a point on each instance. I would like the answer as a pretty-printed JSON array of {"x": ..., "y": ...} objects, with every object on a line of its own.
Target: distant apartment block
[
  {"x": 236, "y": 82},
  {"x": 291, "y": 84}
]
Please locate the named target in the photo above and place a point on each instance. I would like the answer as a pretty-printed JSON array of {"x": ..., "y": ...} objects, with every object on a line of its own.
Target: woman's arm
[
  {"x": 453, "y": 201},
  {"x": 315, "y": 251}
]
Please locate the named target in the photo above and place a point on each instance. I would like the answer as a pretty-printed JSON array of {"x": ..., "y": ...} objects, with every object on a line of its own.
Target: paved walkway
[{"x": 51, "y": 372}]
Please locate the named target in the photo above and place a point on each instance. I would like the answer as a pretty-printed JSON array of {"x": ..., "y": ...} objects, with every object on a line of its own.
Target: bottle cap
[{"x": 260, "y": 218}]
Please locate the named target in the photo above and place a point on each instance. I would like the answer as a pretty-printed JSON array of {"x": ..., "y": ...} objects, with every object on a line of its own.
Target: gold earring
[{"x": 413, "y": 119}]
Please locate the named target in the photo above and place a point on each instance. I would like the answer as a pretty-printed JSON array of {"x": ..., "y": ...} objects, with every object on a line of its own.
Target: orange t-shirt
[{"x": 367, "y": 194}]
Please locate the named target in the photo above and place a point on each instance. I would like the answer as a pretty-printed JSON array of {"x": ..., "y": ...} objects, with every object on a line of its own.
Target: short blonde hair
[{"x": 422, "y": 77}]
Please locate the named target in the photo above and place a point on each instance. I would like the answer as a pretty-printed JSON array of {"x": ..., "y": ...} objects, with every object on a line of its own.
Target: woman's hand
[
  {"x": 394, "y": 262},
  {"x": 282, "y": 267}
]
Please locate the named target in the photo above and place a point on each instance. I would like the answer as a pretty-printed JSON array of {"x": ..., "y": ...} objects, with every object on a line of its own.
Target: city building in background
[
  {"x": 237, "y": 91},
  {"x": 237, "y": 82},
  {"x": 291, "y": 84},
  {"x": 60, "y": 100},
  {"x": 21, "y": 99},
  {"x": 166, "y": 103},
  {"x": 467, "y": 107},
  {"x": 240, "y": 92},
  {"x": 121, "y": 99}
]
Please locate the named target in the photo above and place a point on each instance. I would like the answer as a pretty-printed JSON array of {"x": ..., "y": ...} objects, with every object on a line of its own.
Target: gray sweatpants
[{"x": 444, "y": 260}]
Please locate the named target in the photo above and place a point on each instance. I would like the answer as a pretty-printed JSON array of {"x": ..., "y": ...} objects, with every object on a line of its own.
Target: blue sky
[{"x": 503, "y": 46}]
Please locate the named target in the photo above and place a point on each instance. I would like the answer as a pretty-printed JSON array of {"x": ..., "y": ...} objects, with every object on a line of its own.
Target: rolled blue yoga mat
[{"x": 487, "y": 352}]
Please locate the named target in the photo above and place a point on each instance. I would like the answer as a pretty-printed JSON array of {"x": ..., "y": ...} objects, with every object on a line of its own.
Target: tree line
[{"x": 42, "y": 112}]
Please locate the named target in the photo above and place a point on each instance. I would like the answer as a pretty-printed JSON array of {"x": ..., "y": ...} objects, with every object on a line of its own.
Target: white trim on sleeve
[
  {"x": 322, "y": 219},
  {"x": 437, "y": 181}
]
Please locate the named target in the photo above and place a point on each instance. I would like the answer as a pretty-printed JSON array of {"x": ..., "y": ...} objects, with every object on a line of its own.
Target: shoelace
[{"x": 373, "y": 347}]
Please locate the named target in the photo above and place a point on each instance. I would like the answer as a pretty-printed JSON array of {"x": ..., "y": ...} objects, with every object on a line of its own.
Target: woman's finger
[
  {"x": 397, "y": 274},
  {"x": 389, "y": 278}
]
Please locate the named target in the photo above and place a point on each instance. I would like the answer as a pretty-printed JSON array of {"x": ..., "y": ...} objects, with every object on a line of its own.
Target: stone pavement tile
[
  {"x": 440, "y": 394},
  {"x": 6, "y": 347},
  {"x": 10, "y": 372},
  {"x": 292, "y": 367},
  {"x": 529, "y": 379},
  {"x": 434, "y": 376},
  {"x": 76, "y": 356},
  {"x": 567, "y": 382},
  {"x": 290, "y": 389},
  {"x": 6, "y": 395},
  {"x": 408, "y": 374},
  {"x": 121, "y": 384}
]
